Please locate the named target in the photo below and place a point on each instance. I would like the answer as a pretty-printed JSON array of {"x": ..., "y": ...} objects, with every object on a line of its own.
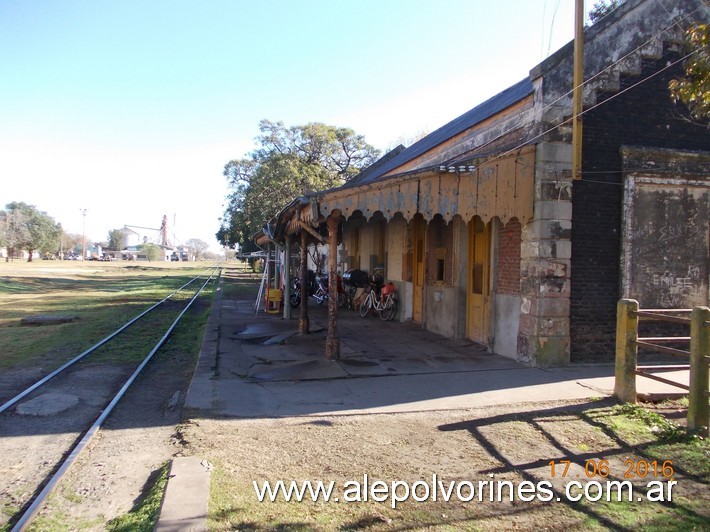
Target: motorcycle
[{"x": 296, "y": 288}]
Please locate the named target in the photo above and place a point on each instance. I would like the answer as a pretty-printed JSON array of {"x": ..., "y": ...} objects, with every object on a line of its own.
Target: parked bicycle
[
  {"x": 321, "y": 293},
  {"x": 385, "y": 304}
]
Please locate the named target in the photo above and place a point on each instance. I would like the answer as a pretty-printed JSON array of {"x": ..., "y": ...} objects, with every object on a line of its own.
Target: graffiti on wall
[{"x": 667, "y": 246}]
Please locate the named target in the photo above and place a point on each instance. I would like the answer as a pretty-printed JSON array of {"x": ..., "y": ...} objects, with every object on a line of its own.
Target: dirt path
[{"x": 509, "y": 443}]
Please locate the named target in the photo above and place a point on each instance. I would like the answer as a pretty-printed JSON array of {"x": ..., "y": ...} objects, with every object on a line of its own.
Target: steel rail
[
  {"x": 32, "y": 510},
  {"x": 57, "y": 371}
]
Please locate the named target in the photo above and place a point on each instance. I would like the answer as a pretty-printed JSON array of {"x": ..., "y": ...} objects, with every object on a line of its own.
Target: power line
[{"x": 568, "y": 93}]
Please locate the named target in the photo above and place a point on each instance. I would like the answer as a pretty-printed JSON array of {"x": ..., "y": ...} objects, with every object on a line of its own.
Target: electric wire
[
  {"x": 521, "y": 119},
  {"x": 569, "y": 120}
]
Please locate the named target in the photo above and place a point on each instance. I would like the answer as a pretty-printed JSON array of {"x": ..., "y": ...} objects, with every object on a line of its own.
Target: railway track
[{"x": 73, "y": 437}]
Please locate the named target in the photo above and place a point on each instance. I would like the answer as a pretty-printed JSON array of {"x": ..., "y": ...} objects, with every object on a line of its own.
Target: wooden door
[
  {"x": 419, "y": 259},
  {"x": 478, "y": 300}
]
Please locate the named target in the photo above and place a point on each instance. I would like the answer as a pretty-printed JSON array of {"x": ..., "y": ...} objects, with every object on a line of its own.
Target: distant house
[{"x": 487, "y": 234}]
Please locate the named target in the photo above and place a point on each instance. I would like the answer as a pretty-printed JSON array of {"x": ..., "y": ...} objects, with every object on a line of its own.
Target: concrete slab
[
  {"x": 47, "y": 319},
  {"x": 265, "y": 329},
  {"x": 281, "y": 337},
  {"x": 47, "y": 404},
  {"x": 299, "y": 371},
  {"x": 184, "y": 505}
]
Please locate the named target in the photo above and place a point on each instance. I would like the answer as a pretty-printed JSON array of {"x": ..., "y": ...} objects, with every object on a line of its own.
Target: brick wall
[
  {"x": 508, "y": 280},
  {"x": 642, "y": 116}
]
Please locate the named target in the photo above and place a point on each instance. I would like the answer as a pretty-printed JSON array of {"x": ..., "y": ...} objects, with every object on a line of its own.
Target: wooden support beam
[
  {"x": 332, "y": 341},
  {"x": 304, "y": 323},
  {"x": 287, "y": 278},
  {"x": 315, "y": 234}
]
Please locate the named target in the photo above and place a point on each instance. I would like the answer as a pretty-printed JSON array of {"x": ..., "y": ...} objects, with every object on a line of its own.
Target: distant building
[{"x": 133, "y": 237}]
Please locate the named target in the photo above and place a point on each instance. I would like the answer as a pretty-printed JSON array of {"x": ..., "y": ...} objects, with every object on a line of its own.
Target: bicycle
[
  {"x": 385, "y": 305},
  {"x": 321, "y": 293}
]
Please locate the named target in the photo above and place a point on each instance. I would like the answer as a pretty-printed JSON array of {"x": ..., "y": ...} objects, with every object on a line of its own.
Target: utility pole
[
  {"x": 83, "y": 234},
  {"x": 578, "y": 82}
]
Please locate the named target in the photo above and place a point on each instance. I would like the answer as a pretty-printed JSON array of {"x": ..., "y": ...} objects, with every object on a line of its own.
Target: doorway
[
  {"x": 478, "y": 299},
  {"x": 418, "y": 273}
]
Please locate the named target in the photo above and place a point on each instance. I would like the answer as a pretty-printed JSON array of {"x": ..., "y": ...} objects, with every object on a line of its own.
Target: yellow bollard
[
  {"x": 698, "y": 410},
  {"x": 627, "y": 323}
]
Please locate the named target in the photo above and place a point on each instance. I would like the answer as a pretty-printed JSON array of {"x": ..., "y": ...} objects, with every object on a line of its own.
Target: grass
[
  {"x": 141, "y": 518},
  {"x": 623, "y": 432},
  {"x": 229, "y": 510},
  {"x": 103, "y": 297},
  {"x": 240, "y": 283},
  {"x": 144, "y": 515}
]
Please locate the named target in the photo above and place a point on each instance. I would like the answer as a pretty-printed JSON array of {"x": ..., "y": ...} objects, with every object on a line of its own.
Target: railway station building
[{"x": 488, "y": 235}]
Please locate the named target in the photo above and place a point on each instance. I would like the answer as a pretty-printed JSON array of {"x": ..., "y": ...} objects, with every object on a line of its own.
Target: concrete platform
[{"x": 257, "y": 366}]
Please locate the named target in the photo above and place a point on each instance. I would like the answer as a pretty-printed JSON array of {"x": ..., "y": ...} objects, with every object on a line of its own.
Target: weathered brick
[
  {"x": 642, "y": 116},
  {"x": 552, "y": 307},
  {"x": 508, "y": 271},
  {"x": 553, "y": 210}
]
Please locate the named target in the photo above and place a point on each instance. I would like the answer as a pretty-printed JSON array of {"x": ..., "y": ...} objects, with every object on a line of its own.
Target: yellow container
[{"x": 273, "y": 301}]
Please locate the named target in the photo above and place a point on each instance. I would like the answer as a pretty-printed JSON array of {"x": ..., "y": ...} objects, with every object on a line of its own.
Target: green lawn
[{"x": 102, "y": 295}]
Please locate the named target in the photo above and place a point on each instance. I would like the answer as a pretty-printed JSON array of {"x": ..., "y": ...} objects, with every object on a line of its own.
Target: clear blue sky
[{"x": 130, "y": 109}]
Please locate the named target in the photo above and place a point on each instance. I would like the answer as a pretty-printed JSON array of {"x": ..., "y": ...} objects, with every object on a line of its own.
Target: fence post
[
  {"x": 699, "y": 353},
  {"x": 627, "y": 322}
]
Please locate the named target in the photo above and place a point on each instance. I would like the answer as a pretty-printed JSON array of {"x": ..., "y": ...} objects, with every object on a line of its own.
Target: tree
[
  {"x": 115, "y": 239},
  {"x": 26, "y": 228},
  {"x": 693, "y": 89},
  {"x": 288, "y": 163},
  {"x": 152, "y": 252},
  {"x": 602, "y": 8},
  {"x": 197, "y": 247}
]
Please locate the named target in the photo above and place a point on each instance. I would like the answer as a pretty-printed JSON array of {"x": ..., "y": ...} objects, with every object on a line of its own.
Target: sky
[{"x": 128, "y": 110}]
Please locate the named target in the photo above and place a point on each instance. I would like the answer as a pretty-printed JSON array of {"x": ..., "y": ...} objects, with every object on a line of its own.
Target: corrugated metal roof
[{"x": 467, "y": 120}]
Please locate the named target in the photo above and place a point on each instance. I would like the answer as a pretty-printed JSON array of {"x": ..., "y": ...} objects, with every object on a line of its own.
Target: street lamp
[{"x": 83, "y": 234}]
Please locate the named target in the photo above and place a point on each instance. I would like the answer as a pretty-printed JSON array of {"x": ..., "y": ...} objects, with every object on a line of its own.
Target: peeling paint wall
[
  {"x": 440, "y": 309},
  {"x": 396, "y": 249},
  {"x": 502, "y": 187},
  {"x": 665, "y": 261}
]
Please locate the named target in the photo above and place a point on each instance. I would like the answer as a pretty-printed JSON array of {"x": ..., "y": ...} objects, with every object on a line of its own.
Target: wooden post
[
  {"x": 287, "y": 278},
  {"x": 332, "y": 342},
  {"x": 627, "y": 323},
  {"x": 304, "y": 323},
  {"x": 698, "y": 410},
  {"x": 276, "y": 266}
]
